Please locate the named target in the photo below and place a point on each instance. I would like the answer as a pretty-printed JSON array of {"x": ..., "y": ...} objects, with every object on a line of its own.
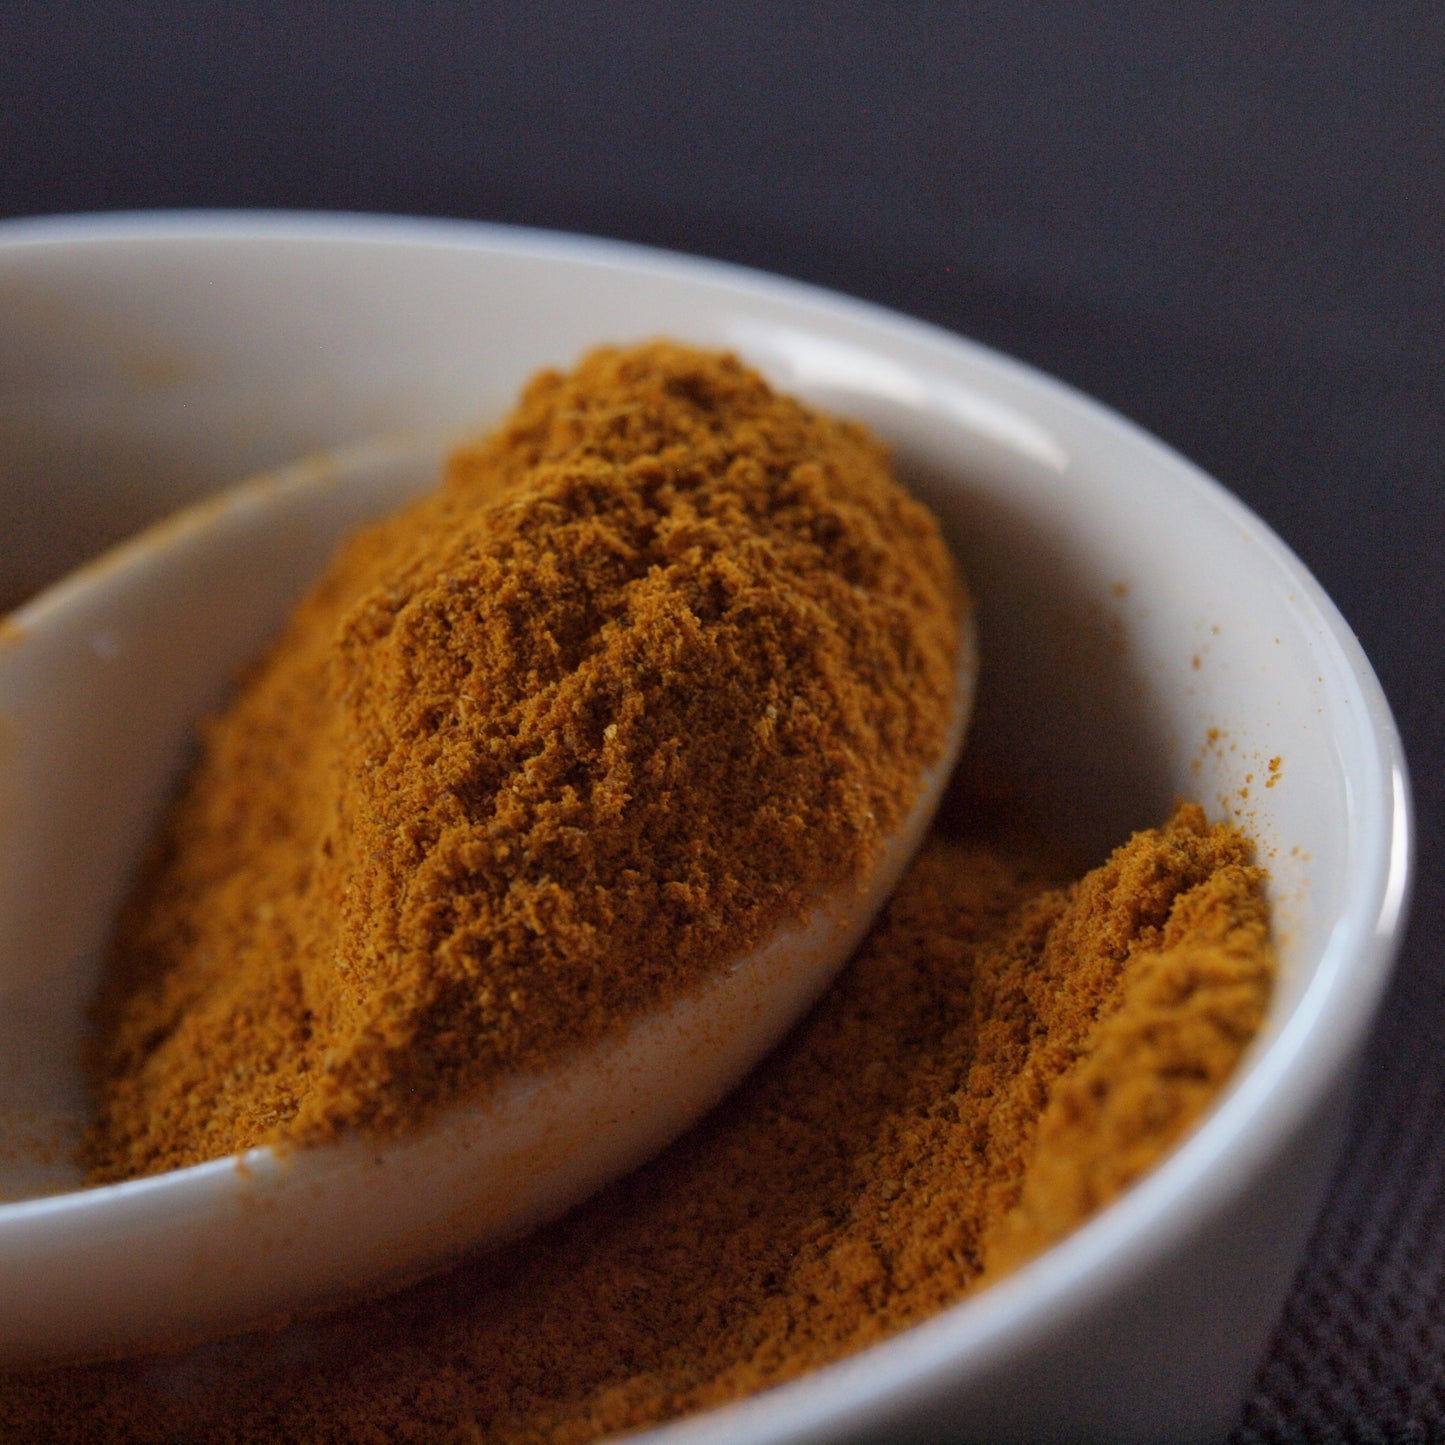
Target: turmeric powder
[
  {"x": 1005, "y": 1054},
  {"x": 663, "y": 661},
  {"x": 1000, "y": 1059}
]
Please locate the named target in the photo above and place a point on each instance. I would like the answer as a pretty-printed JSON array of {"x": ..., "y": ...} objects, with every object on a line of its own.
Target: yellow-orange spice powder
[
  {"x": 1000, "y": 1060},
  {"x": 663, "y": 661}
]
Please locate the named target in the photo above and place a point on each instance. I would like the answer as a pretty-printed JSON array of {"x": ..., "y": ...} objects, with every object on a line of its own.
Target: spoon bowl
[{"x": 102, "y": 679}]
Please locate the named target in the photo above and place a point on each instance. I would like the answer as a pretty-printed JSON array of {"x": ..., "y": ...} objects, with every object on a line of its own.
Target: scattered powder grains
[
  {"x": 1001, "y": 1058},
  {"x": 662, "y": 661}
]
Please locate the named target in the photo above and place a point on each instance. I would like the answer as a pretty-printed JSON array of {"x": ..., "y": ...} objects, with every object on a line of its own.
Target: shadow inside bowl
[{"x": 1068, "y": 730}]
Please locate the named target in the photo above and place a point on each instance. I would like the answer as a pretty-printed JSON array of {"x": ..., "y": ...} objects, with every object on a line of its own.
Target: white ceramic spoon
[{"x": 101, "y": 681}]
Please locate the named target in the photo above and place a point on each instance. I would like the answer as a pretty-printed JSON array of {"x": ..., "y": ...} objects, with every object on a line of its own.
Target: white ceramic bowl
[{"x": 1143, "y": 636}]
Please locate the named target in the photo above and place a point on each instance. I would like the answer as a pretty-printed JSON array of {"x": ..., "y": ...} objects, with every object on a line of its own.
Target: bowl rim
[{"x": 1275, "y": 1090}]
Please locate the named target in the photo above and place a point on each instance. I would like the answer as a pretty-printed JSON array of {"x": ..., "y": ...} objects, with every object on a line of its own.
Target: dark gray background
[{"x": 1226, "y": 220}]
